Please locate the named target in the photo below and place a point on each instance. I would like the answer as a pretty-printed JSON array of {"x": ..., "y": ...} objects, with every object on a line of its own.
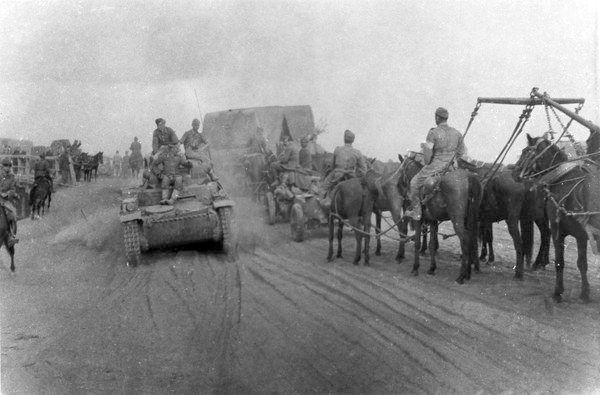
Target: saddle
[{"x": 429, "y": 187}]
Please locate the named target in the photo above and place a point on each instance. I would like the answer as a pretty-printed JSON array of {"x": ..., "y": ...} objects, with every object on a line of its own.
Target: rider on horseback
[
  {"x": 7, "y": 192},
  {"x": 445, "y": 144},
  {"x": 41, "y": 171},
  {"x": 195, "y": 145},
  {"x": 348, "y": 162}
]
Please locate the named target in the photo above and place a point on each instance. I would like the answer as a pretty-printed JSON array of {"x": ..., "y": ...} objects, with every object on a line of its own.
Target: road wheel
[
  {"x": 228, "y": 240},
  {"x": 131, "y": 239},
  {"x": 270, "y": 203},
  {"x": 297, "y": 222}
]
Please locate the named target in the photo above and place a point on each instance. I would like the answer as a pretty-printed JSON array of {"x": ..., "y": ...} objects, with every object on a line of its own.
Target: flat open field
[{"x": 279, "y": 319}]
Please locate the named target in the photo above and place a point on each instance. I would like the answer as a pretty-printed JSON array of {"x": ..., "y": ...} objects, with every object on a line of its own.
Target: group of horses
[
  {"x": 87, "y": 165},
  {"x": 543, "y": 188}
]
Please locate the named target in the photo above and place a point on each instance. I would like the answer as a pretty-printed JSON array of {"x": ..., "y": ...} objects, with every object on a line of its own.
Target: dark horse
[
  {"x": 90, "y": 166},
  {"x": 39, "y": 194},
  {"x": 353, "y": 202},
  {"x": 572, "y": 190},
  {"x": 389, "y": 200},
  {"x": 456, "y": 197},
  {"x": 516, "y": 203},
  {"x": 4, "y": 233}
]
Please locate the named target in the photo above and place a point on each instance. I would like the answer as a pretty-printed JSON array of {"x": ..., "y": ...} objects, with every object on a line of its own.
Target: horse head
[
  {"x": 538, "y": 156},
  {"x": 409, "y": 167},
  {"x": 99, "y": 157}
]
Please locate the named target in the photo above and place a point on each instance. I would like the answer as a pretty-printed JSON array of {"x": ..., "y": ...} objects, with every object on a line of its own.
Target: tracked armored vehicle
[{"x": 201, "y": 213}]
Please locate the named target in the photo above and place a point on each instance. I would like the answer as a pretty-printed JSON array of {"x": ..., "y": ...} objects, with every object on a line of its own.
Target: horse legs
[
  {"x": 367, "y": 237},
  {"x": 331, "y": 230},
  {"x": 417, "y": 241},
  {"x": 559, "y": 260},
  {"x": 377, "y": 232},
  {"x": 582, "y": 266},
  {"x": 424, "y": 243},
  {"x": 543, "y": 257},
  {"x": 340, "y": 234},
  {"x": 354, "y": 222},
  {"x": 527, "y": 240},
  {"x": 433, "y": 228},
  {"x": 466, "y": 249},
  {"x": 403, "y": 231},
  {"x": 513, "y": 228},
  {"x": 11, "y": 252}
]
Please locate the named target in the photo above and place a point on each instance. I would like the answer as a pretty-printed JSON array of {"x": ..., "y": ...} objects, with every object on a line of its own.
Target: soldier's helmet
[
  {"x": 348, "y": 136},
  {"x": 6, "y": 162},
  {"x": 441, "y": 112}
]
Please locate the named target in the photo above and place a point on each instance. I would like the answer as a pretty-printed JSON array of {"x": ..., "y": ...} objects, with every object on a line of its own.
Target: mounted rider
[
  {"x": 41, "y": 172},
  {"x": 162, "y": 135},
  {"x": 195, "y": 146},
  {"x": 348, "y": 162},
  {"x": 8, "y": 191},
  {"x": 171, "y": 161},
  {"x": 443, "y": 145}
]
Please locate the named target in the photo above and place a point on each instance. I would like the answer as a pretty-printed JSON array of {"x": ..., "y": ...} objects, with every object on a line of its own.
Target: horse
[
  {"x": 258, "y": 172},
  {"x": 455, "y": 197},
  {"x": 4, "y": 233},
  {"x": 389, "y": 200},
  {"x": 39, "y": 194},
  {"x": 352, "y": 202},
  {"x": 516, "y": 203},
  {"x": 136, "y": 162},
  {"x": 90, "y": 166},
  {"x": 572, "y": 190}
]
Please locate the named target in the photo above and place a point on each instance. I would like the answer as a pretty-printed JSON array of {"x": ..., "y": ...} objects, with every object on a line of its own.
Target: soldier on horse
[
  {"x": 41, "y": 172},
  {"x": 443, "y": 145},
  {"x": 7, "y": 192}
]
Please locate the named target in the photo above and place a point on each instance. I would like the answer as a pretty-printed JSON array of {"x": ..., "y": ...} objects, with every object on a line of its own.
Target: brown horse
[
  {"x": 353, "y": 202},
  {"x": 38, "y": 196},
  {"x": 456, "y": 197},
  {"x": 389, "y": 200},
  {"x": 512, "y": 201},
  {"x": 572, "y": 190},
  {"x": 4, "y": 233}
]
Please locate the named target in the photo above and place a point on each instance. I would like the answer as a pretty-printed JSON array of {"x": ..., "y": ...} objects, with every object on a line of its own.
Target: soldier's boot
[
  {"x": 174, "y": 197},
  {"x": 415, "y": 210},
  {"x": 165, "y": 196}
]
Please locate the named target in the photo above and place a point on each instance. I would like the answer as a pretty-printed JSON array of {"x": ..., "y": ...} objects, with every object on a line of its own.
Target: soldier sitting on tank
[
  {"x": 171, "y": 162},
  {"x": 41, "y": 171},
  {"x": 7, "y": 192},
  {"x": 195, "y": 146}
]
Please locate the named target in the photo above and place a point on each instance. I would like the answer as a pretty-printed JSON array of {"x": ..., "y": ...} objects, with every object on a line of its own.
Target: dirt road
[{"x": 279, "y": 319}]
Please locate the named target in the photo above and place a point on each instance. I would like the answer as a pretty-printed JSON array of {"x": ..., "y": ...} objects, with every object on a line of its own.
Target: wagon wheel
[
  {"x": 297, "y": 222},
  {"x": 131, "y": 239},
  {"x": 227, "y": 242},
  {"x": 270, "y": 203}
]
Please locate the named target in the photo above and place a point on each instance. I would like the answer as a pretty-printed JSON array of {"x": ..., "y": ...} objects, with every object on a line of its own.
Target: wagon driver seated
[
  {"x": 170, "y": 160},
  {"x": 444, "y": 144},
  {"x": 7, "y": 192}
]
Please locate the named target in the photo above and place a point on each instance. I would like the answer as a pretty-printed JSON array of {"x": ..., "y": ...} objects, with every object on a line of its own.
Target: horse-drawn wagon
[{"x": 203, "y": 212}]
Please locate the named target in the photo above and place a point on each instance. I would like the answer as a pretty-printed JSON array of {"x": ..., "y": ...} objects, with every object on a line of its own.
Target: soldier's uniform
[
  {"x": 160, "y": 137},
  {"x": 171, "y": 162},
  {"x": 41, "y": 171},
  {"x": 304, "y": 155},
  {"x": 8, "y": 191},
  {"x": 195, "y": 145},
  {"x": 257, "y": 144},
  {"x": 288, "y": 158},
  {"x": 446, "y": 144},
  {"x": 348, "y": 162}
]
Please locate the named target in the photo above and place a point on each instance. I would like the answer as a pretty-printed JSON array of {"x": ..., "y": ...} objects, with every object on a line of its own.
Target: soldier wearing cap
[
  {"x": 348, "y": 162},
  {"x": 41, "y": 171},
  {"x": 162, "y": 135},
  {"x": 195, "y": 146},
  {"x": 443, "y": 145},
  {"x": 288, "y": 158},
  {"x": 8, "y": 191},
  {"x": 304, "y": 155}
]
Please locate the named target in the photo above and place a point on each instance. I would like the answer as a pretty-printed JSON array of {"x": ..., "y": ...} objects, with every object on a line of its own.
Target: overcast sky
[{"x": 102, "y": 71}]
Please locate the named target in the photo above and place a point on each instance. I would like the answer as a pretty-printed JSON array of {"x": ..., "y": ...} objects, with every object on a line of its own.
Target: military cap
[
  {"x": 304, "y": 139},
  {"x": 158, "y": 121},
  {"x": 196, "y": 121},
  {"x": 442, "y": 112},
  {"x": 348, "y": 136},
  {"x": 6, "y": 162}
]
